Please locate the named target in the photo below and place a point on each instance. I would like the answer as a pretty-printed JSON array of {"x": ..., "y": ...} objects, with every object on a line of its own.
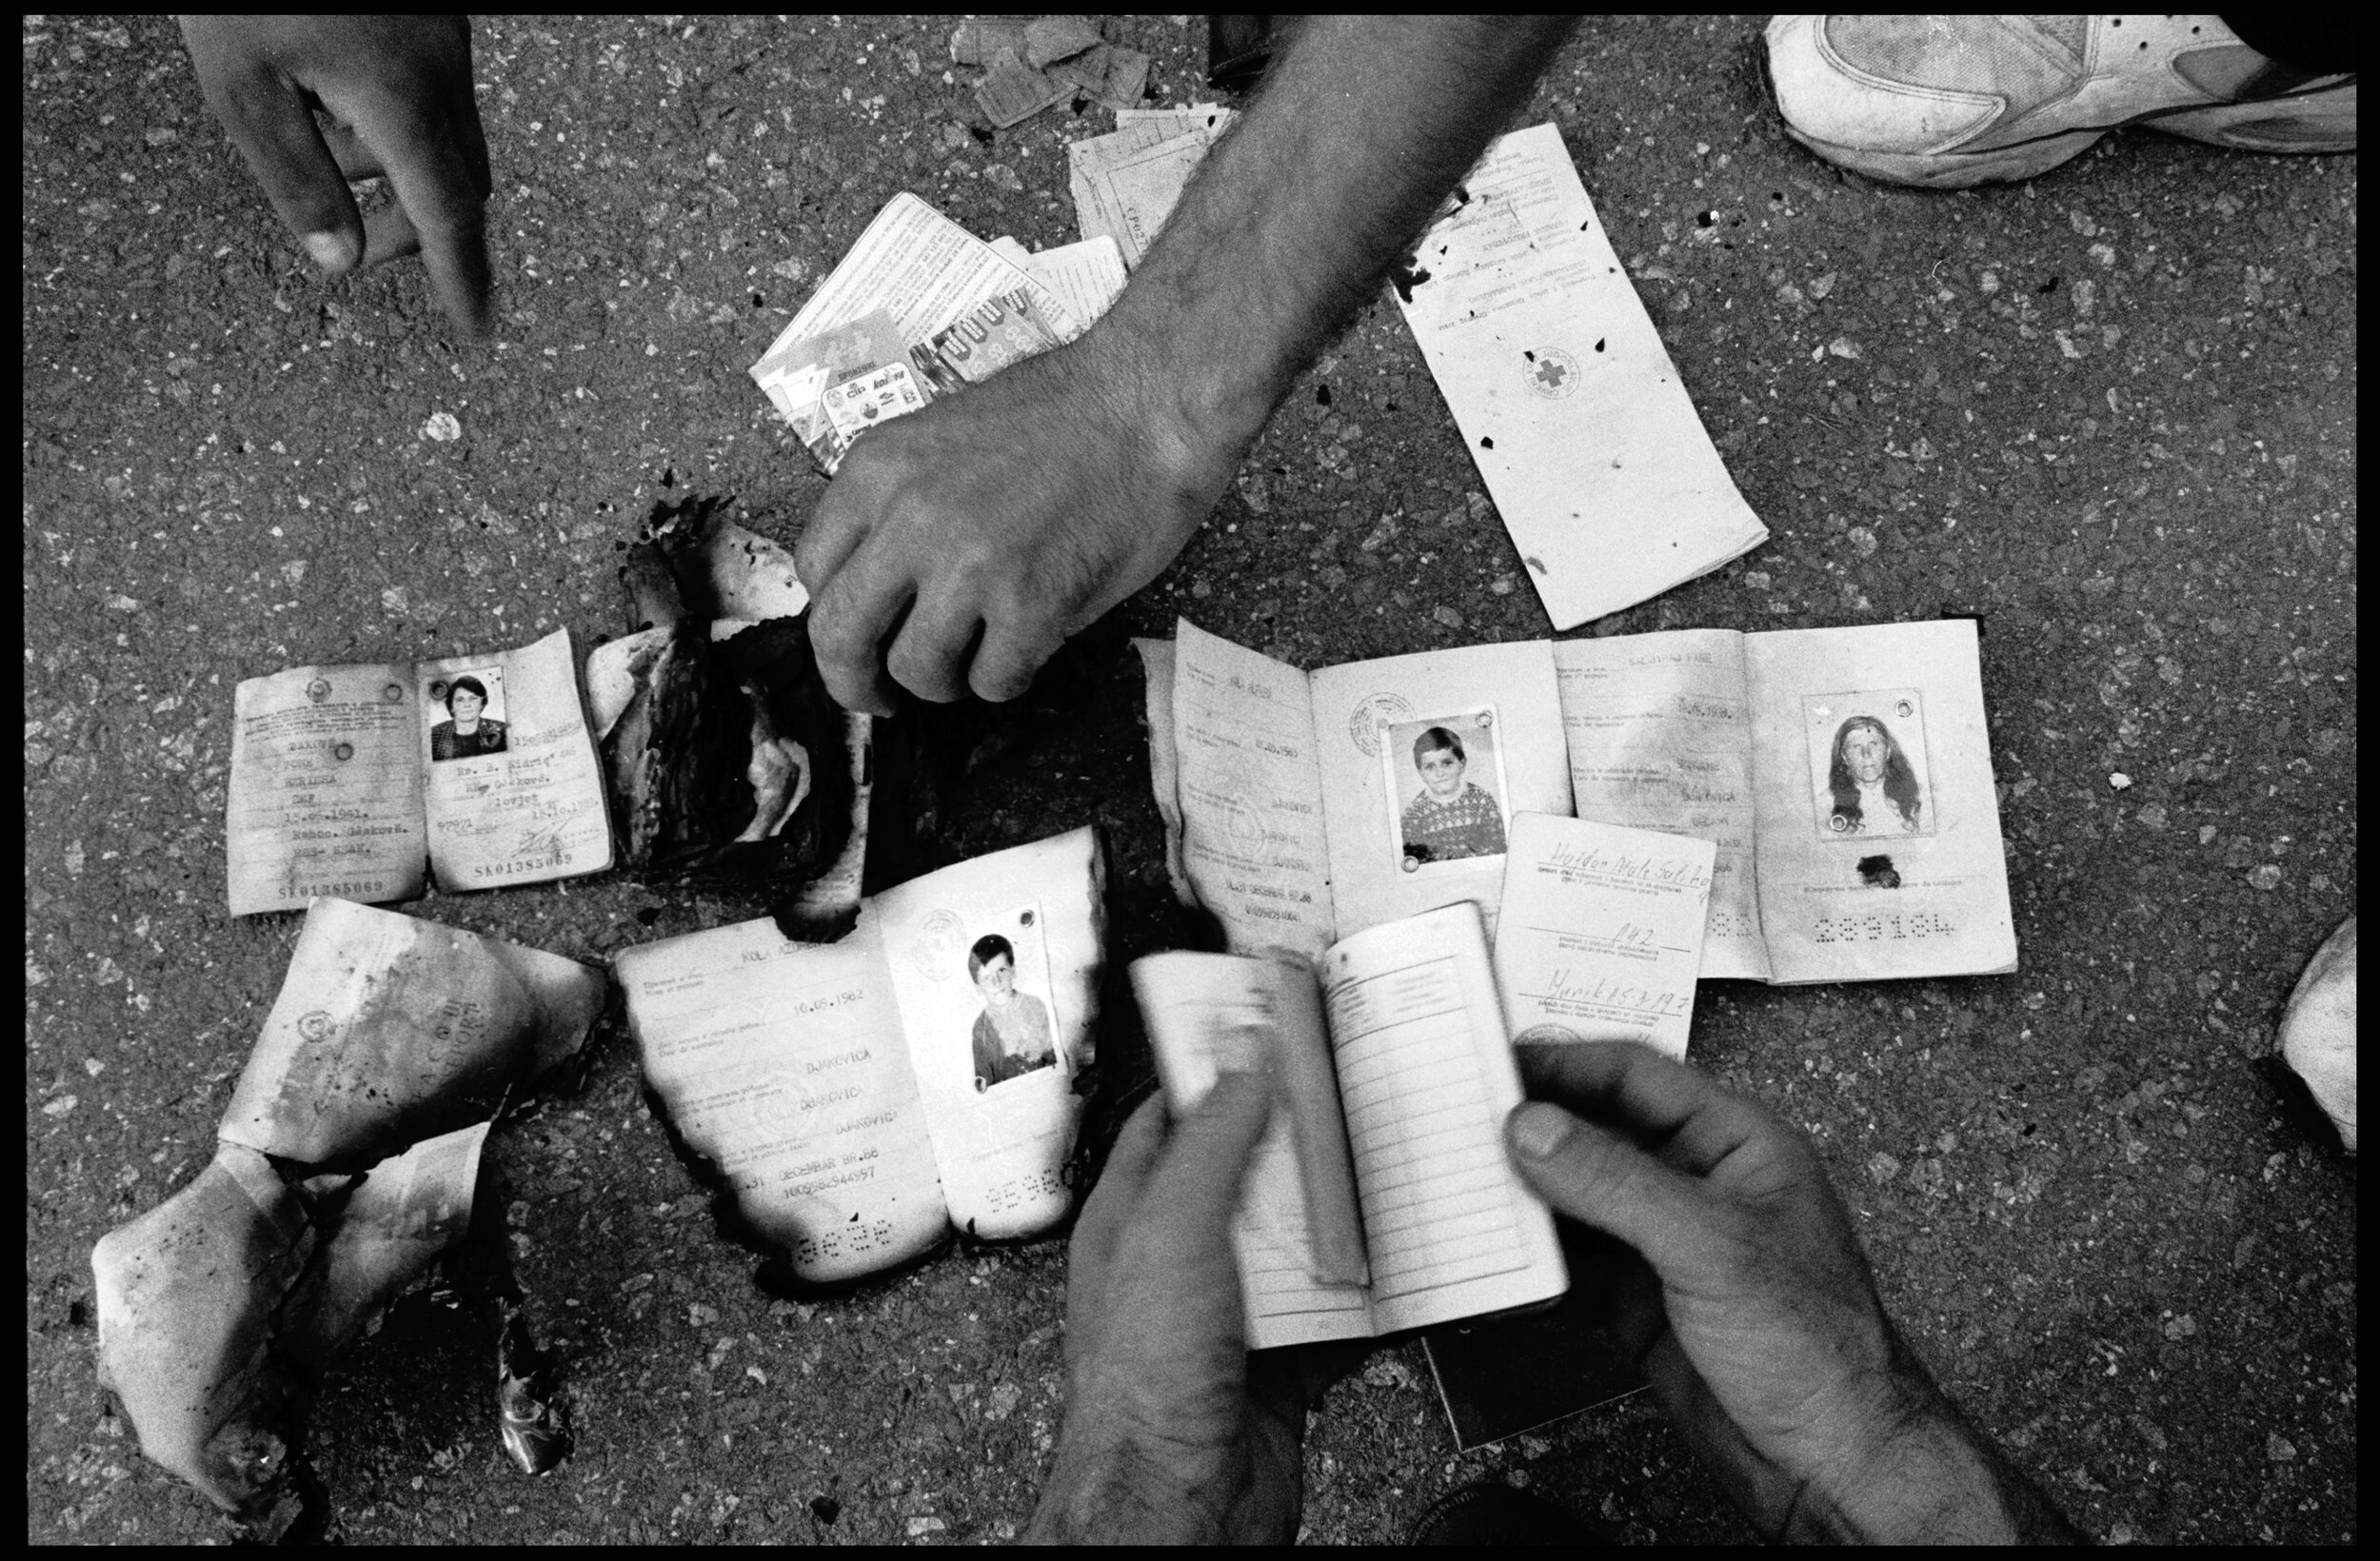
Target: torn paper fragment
[
  {"x": 186, "y": 1296},
  {"x": 1116, "y": 78},
  {"x": 399, "y": 1217},
  {"x": 1596, "y": 458},
  {"x": 979, "y": 38},
  {"x": 1012, "y": 92},
  {"x": 1050, "y": 39},
  {"x": 387, "y": 1027}
]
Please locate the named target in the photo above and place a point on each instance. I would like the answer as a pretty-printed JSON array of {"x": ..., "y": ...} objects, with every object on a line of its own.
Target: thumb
[
  {"x": 1602, "y": 1179},
  {"x": 1196, "y": 1184}
]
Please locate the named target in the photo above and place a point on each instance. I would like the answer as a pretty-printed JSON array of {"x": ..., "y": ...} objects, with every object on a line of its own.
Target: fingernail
[
  {"x": 331, "y": 251},
  {"x": 1540, "y": 1130}
]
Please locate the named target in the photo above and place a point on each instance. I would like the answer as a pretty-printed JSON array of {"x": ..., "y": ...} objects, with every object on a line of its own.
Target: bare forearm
[{"x": 1367, "y": 123}]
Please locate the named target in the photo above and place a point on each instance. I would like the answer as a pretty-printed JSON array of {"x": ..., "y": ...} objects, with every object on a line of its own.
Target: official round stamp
[
  {"x": 1548, "y": 1035},
  {"x": 936, "y": 949},
  {"x": 1551, "y": 373},
  {"x": 1363, "y": 726}
]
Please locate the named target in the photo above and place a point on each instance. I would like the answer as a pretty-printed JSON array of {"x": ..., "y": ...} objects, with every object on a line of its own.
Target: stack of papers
[{"x": 918, "y": 308}]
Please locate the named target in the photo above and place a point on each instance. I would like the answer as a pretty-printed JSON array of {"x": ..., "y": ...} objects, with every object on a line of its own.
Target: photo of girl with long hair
[{"x": 1868, "y": 756}]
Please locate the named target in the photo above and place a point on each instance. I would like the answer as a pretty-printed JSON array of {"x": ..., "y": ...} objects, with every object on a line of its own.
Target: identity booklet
[
  {"x": 1844, "y": 775},
  {"x": 353, "y": 782},
  {"x": 862, "y": 1097}
]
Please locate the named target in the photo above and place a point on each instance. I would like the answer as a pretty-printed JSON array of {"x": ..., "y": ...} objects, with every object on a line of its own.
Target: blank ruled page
[{"x": 1426, "y": 1077}]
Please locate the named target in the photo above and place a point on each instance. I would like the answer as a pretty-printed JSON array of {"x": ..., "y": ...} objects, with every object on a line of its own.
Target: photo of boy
[
  {"x": 1014, "y": 1035},
  {"x": 1446, "y": 787}
]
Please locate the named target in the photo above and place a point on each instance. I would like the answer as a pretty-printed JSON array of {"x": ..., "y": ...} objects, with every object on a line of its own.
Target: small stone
[
  {"x": 393, "y": 599},
  {"x": 2152, "y": 816},
  {"x": 1002, "y": 175},
  {"x": 701, "y": 1315},
  {"x": 1820, "y": 286},
  {"x": 1882, "y": 1168},
  {"x": 2181, "y": 1328},
  {"x": 59, "y": 1107},
  {"x": 1862, "y": 540},
  {"x": 2207, "y": 834},
  {"x": 2279, "y": 1448},
  {"x": 442, "y": 427},
  {"x": 1447, "y": 616},
  {"x": 920, "y": 1527},
  {"x": 2267, "y": 878},
  {"x": 1843, "y": 346},
  {"x": 793, "y": 269},
  {"x": 2119, "y": 781}
]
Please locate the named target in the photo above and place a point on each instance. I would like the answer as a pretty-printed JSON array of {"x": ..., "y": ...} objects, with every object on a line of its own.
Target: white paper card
[{"x": 1595, "y": 456}]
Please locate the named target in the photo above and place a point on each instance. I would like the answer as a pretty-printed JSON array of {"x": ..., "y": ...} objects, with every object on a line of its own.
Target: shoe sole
[{"x": 2317, "y": 122}]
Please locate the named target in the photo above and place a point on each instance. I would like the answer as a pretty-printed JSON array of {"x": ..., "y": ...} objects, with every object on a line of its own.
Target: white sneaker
[
  {"x": 2318, "y": 1031},
  {"x": 1948, "y": 101}
]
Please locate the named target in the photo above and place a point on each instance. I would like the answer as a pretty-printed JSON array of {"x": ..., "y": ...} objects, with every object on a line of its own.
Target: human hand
[
  {"x": 400, "y": 89},
  {"x": 1172, "y": 1432},
  {"x": 1763, "y": 1335},
  {"x": 958, "y": 546}
]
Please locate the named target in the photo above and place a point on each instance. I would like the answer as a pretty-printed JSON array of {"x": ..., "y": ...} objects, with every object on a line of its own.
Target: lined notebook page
[
  {"x": 1426, "y": 1078},
  {"x": 1207, "y": 1010}
]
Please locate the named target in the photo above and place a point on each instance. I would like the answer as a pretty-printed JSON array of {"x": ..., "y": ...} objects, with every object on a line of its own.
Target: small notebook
[{"x": 1380, "y": 1198}]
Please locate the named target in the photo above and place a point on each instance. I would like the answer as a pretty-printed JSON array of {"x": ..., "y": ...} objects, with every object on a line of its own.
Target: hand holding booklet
[{"x": 1381, "y": 1198}]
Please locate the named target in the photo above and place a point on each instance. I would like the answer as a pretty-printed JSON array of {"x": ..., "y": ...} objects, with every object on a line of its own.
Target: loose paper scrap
[
  {"x": 1591, "y": 448},
  {"x": 1601, "y": 933}
]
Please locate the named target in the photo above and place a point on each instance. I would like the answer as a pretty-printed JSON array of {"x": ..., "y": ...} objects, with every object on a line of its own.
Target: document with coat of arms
[{"x": 356, "y": 782}]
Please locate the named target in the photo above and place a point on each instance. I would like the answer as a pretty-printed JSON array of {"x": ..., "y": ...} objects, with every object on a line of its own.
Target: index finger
[
  {"x": 1690, "y": 1120},
  {"x": 427, "y": 155}
]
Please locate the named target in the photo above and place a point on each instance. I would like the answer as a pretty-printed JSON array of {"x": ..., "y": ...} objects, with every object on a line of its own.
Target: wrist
[
  {"x": 1115, "y": 1494},
  {"x": 1198, "y": 392},
  {"x": 1926, "y": 1476}
]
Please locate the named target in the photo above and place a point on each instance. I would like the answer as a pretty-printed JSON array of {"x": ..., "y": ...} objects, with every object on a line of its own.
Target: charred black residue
[
  {"x": 1406, "y": 275},
  {"x": 1486, "y": 444},
  {"x": 1533, "y": 562},
  {"x": 1877, "y": 872},
  {"x": 1462, "y": 195},
  {"x": 1321, "y": 395},
  {"x": 2047, "y": 288},
  {"x": 1600, "y": 341}
]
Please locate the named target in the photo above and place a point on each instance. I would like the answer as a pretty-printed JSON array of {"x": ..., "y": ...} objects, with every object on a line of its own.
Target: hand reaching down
[
  {"x": 1764, "y": 1336},
  {"x": 960, "y": 546},
  {"x": 400, "y": 90}
]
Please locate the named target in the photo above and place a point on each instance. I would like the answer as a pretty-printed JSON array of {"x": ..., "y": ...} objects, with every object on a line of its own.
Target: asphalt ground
[{"x": 2112, "y": 413}]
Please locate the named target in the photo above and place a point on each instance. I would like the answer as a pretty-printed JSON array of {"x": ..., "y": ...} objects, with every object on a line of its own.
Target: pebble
[
  {"x": 2279, "y": 1448},
  {"x": 442, "y": 427},
  {"x": 2267, "y": 878}
]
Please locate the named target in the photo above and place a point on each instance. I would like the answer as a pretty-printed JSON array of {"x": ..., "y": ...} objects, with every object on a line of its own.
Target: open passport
[
  {"x": 1844, "y": 775},
  {"x": 349, "y": 782},
  {"x": 1380, "y": 1198},
  {"x": 862, "y": 1097}
]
